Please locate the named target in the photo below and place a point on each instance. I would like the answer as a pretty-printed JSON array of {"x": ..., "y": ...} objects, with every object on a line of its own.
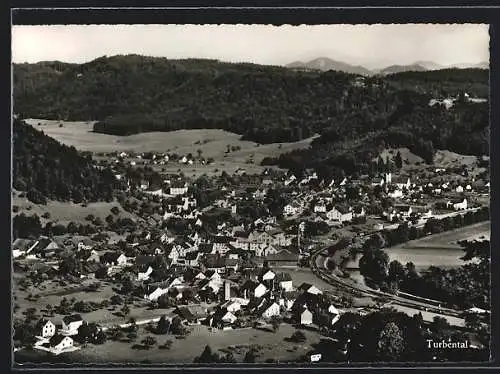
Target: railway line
[{"x": 410, "y": 301}]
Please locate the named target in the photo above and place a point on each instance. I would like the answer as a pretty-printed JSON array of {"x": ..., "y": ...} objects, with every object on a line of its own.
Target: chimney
[{"x": 227, "y": 291}]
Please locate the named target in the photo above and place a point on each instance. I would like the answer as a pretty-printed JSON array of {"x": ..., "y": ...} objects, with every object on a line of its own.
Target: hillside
[
  {"x": 129, "y": 95},
  {"x": 47, "y": 169}
]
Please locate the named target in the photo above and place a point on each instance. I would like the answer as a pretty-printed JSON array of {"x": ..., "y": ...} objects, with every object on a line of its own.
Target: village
[{"x": 227, "y": 262}]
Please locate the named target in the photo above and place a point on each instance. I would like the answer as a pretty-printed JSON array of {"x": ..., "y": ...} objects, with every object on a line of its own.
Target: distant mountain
[
  {"x": 429, "y": 65},
  {"x": 394, "y": 69},
  {"x": 481, "y": 65},
  {"x": 325, "y": 64}
]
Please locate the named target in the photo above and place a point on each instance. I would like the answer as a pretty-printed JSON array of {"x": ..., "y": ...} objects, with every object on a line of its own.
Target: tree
[
  {"x": 250, "y": 357},
  {"x": 125, "y": 310},
  {"x": 390, "y": 343},
  {"x": 396, "y": 271},
  {"x": 148, "y": 341},
  {"x": 374, "y": 265},
  {"x": 398, "y": 160},
  {"x": 275, "y": 323},
  {"x": 207, "y": 357},
  {"x": 298, "y": 337},
  {"x": 163, "y": 326}
]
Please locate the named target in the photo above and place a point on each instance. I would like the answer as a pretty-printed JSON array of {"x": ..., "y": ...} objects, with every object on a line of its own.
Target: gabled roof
[
  {"x": 72, "y": 318},
  {"x": 56, "y": 339},
  {"x": 42, "y": 322},
  {"x": 342, "y": 209}
]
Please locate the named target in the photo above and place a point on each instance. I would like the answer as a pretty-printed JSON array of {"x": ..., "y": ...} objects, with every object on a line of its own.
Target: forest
[
  {"x": 266, "y": 104},
  {"x": 132, "y": 94},
  {"x": 46, "y": 169}
]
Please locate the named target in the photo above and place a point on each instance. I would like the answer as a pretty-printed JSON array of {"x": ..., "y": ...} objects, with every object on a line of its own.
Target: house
[
  {"x": 291, "y": 209},
  {"x": 285, "y": 281},
  {"x": 309, "y": 288},
  {"x": 358, "y": 211},
  {"x": 268, "y": 275},
  {"x": 320, "y": 208},
  {"x": 192, "y": 258},
  {"x": 395, "y": 193},
  {"x": 457, "y": 204},
  {"x": 45, "y": 328},
  {"x": 58, "y": 343},
  {"x": 270, "y": 309},
  {"x": 401, "y": 182},
  {"x": 178, "y": 190},
  {"x": 260, "y": 290},
  {"x": 113, "y": 258},
  {"x": 154, "y": 295},
  {"x": 232, "y": 306},
  {"x": 70, "y": 324},
  {"x": 222, "y": 318},
  {"x": 43, "y": 246},
  {"x": 377, "y": 181},
  {"x": 404, "y": 210},
  {"x": 339, "y": 214},
  {"x": 142, "y": 276},
  {"x": 306, "y": 317},
  {"x": 459, "y": 189}
]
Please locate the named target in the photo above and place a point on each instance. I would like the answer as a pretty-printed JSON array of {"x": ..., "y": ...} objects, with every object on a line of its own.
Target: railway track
[{"x": 411, "y": 301}]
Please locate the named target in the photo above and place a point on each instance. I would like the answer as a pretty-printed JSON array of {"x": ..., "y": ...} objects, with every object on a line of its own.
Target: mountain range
[{"x": 325, "y": 64}]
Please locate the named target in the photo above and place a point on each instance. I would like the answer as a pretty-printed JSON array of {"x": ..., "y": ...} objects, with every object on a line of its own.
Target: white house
[
  {"x": 339, "y": 214},
  {"x": 396, "y": 194},
  {"x": 291, "y": 209},
  {"x": 232, "y": 306},
  {"x": 320, "y": 208},
  {"x": 459, "y": 189},
  {"x": 306, "y": 317},
  {"x": 268, "y": 275},
  {"x": 178, "y": 190},
  {"x": 457, "y": 204},
  {"x": 58, "y": 343},
  {"x": 271, "y": 311},
  {"x": 260, "y": 290},
  {"x": 70, "y": 324},
  {"x": 145, "y": 276},
  {"x": 153, "y": 296},
  {"x": 45, "y": 328}
]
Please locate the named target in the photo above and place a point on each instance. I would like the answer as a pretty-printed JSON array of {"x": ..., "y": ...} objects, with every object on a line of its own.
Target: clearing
[
  {"x": 212, "y": 143},
  {"x": 65, "y": 212}
]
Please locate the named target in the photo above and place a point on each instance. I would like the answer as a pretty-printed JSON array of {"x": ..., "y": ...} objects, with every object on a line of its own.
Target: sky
[{"x": 373, "y": 46}]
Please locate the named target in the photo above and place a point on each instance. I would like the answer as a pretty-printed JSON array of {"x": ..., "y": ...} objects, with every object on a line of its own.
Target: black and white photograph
[{"x": 250, "y": 194}]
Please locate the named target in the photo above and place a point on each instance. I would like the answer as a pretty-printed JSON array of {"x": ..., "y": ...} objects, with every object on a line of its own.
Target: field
[
  {"x": 65, "y": 212},
  {"x": 440, "y": 250},
  {"x": 183, "y": 351},
  {"x": 212, "y": 143}
]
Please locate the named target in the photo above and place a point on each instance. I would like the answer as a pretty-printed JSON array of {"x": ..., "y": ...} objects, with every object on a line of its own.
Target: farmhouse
[
  {"x": 45, "y": 328},
  {"x": 70, "y": 324},
  {"x": 457, "y": 204}
]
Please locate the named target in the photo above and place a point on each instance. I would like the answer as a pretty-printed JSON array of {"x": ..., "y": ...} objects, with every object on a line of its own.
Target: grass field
[
  {"x": 212, "y": 143},
  {"x": 65, "y": 212},
  {"x": 183, "y": 351},
  {"x": 440, "y": 250}
]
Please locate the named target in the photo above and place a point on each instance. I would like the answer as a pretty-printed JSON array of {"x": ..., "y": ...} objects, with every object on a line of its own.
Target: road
[{"x": 410, "y": 305}]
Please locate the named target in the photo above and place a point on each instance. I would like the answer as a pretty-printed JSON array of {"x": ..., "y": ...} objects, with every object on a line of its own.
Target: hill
[
  {"x": 47, "y": 169},
  {"x": 325, "y": 64},
  {"x": 393, "y": 69},
  {"x": 129, "y": 95}
]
